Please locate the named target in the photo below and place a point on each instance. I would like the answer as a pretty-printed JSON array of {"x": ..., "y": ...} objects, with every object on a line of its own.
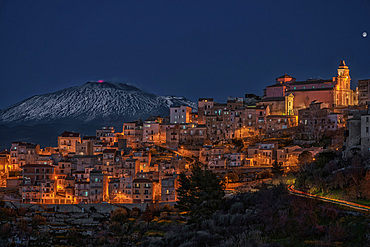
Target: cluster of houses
[
  {"x": 91, "y": 169},
  {"x": 141, "y": 163}
]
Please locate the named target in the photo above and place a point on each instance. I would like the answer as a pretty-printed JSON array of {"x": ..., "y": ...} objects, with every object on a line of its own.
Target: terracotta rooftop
[
  {"x": 285, "y": 76},
  {"x": 70, "y": 134},
  {"x": 37, "y": 165},
  {"x": 78, "y": 156},
  {"x": 276, "y": 85},
  {"x": 109, "y": 150},
  {"x": 312, "y": 89},
  {"x": 208, "y": 99},
  {"x": 27, "y": 144},
  {"x": 142, "y": 180},
  {"x": 272, "y": 99},
  {"x": 70, "y": 178},
  {"x": 89, "y": 138},
  {"x": 312, "y": 81}
]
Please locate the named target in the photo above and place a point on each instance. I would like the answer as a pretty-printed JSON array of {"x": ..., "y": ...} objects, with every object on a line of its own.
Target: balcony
[
  {"x": 29, "y": 190},
  {"x": 96, "y": 187}
]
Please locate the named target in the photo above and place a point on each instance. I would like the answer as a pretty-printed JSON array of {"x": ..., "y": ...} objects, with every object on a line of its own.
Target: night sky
[{"x": 208, "y": 49}]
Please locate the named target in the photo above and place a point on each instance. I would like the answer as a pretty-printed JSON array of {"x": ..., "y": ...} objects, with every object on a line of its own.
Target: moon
[{"x": 364, "y": 34}]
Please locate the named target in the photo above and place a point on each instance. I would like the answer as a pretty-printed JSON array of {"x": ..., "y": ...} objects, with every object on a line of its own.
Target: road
[
  {"x": 178, "y": 153},
  {"x": 326, "y": 199}
]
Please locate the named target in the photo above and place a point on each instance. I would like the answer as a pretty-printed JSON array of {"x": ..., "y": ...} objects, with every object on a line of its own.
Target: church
[{"x": 287, "y": 96}]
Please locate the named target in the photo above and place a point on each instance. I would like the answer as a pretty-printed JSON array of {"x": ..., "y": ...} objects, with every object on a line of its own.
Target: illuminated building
[
  {"x": 67, "y": 142},
  {"x": 98, "y": 189},
  {"x": 4, "y": 161},
  {"x": 287, "y": 95},
  {"x": 363, "y": 92},
  {"x": 22, "y": 153},
  {"x": 38, "y": 183},
  {"x": 169, "y": 184},
  {"x": 180, "y": 114},
  {"x": 204, "y": 109},
  {"x": 317, "y": 119},
  {"x": 144, "y": 189}
]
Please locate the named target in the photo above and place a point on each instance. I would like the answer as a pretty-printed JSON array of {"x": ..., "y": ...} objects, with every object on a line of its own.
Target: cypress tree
[{"x": 200, "y": 194}]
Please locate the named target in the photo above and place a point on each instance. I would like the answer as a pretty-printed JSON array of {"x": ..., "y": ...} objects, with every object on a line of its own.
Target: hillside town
[{"x": 238, "y": 140}]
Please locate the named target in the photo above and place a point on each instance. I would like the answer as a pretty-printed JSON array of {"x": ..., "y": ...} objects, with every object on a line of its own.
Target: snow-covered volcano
[{"x": 92, "y": 102}]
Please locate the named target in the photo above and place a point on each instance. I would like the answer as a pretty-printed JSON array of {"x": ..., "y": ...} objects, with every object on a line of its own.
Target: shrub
[
  {"x": 167, "y": 208},
  {"x": 6, "y": 229},
  {"x": 236, "y": 208},
  {"x": 119, "y": 215},
  {"x": 337, "y": 232},
  {"x": 265, "y": 174},
  {"x": 115, "y": 227},
  {"x": 38, "y": 219},
  {"x": 135, "y": 212}
]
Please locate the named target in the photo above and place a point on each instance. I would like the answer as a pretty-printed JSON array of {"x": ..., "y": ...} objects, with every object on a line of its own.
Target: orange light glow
[{"x": 346, "y": 203}]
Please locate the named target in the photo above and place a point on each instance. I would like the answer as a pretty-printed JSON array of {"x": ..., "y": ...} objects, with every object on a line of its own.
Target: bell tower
[
  {"x": 343, "y": 75},
  {"x": 343, "y": 93}
]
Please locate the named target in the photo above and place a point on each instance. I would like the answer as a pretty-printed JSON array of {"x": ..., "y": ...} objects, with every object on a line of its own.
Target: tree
[
  {"x": 238, "y": 142},
  {"x": 93, "y": 209},
  {"x": 323, "y": 158},
  {"x": 277, "y": 168},
  {"x": 364, "y": 186},
  {"x": 305, "y": 158},
  {"x": 150, "y": 211},
  {"x": 200, "y": 194}
]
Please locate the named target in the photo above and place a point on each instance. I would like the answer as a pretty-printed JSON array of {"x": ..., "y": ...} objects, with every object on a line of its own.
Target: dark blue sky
[{"x": 189, "y": 48}]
